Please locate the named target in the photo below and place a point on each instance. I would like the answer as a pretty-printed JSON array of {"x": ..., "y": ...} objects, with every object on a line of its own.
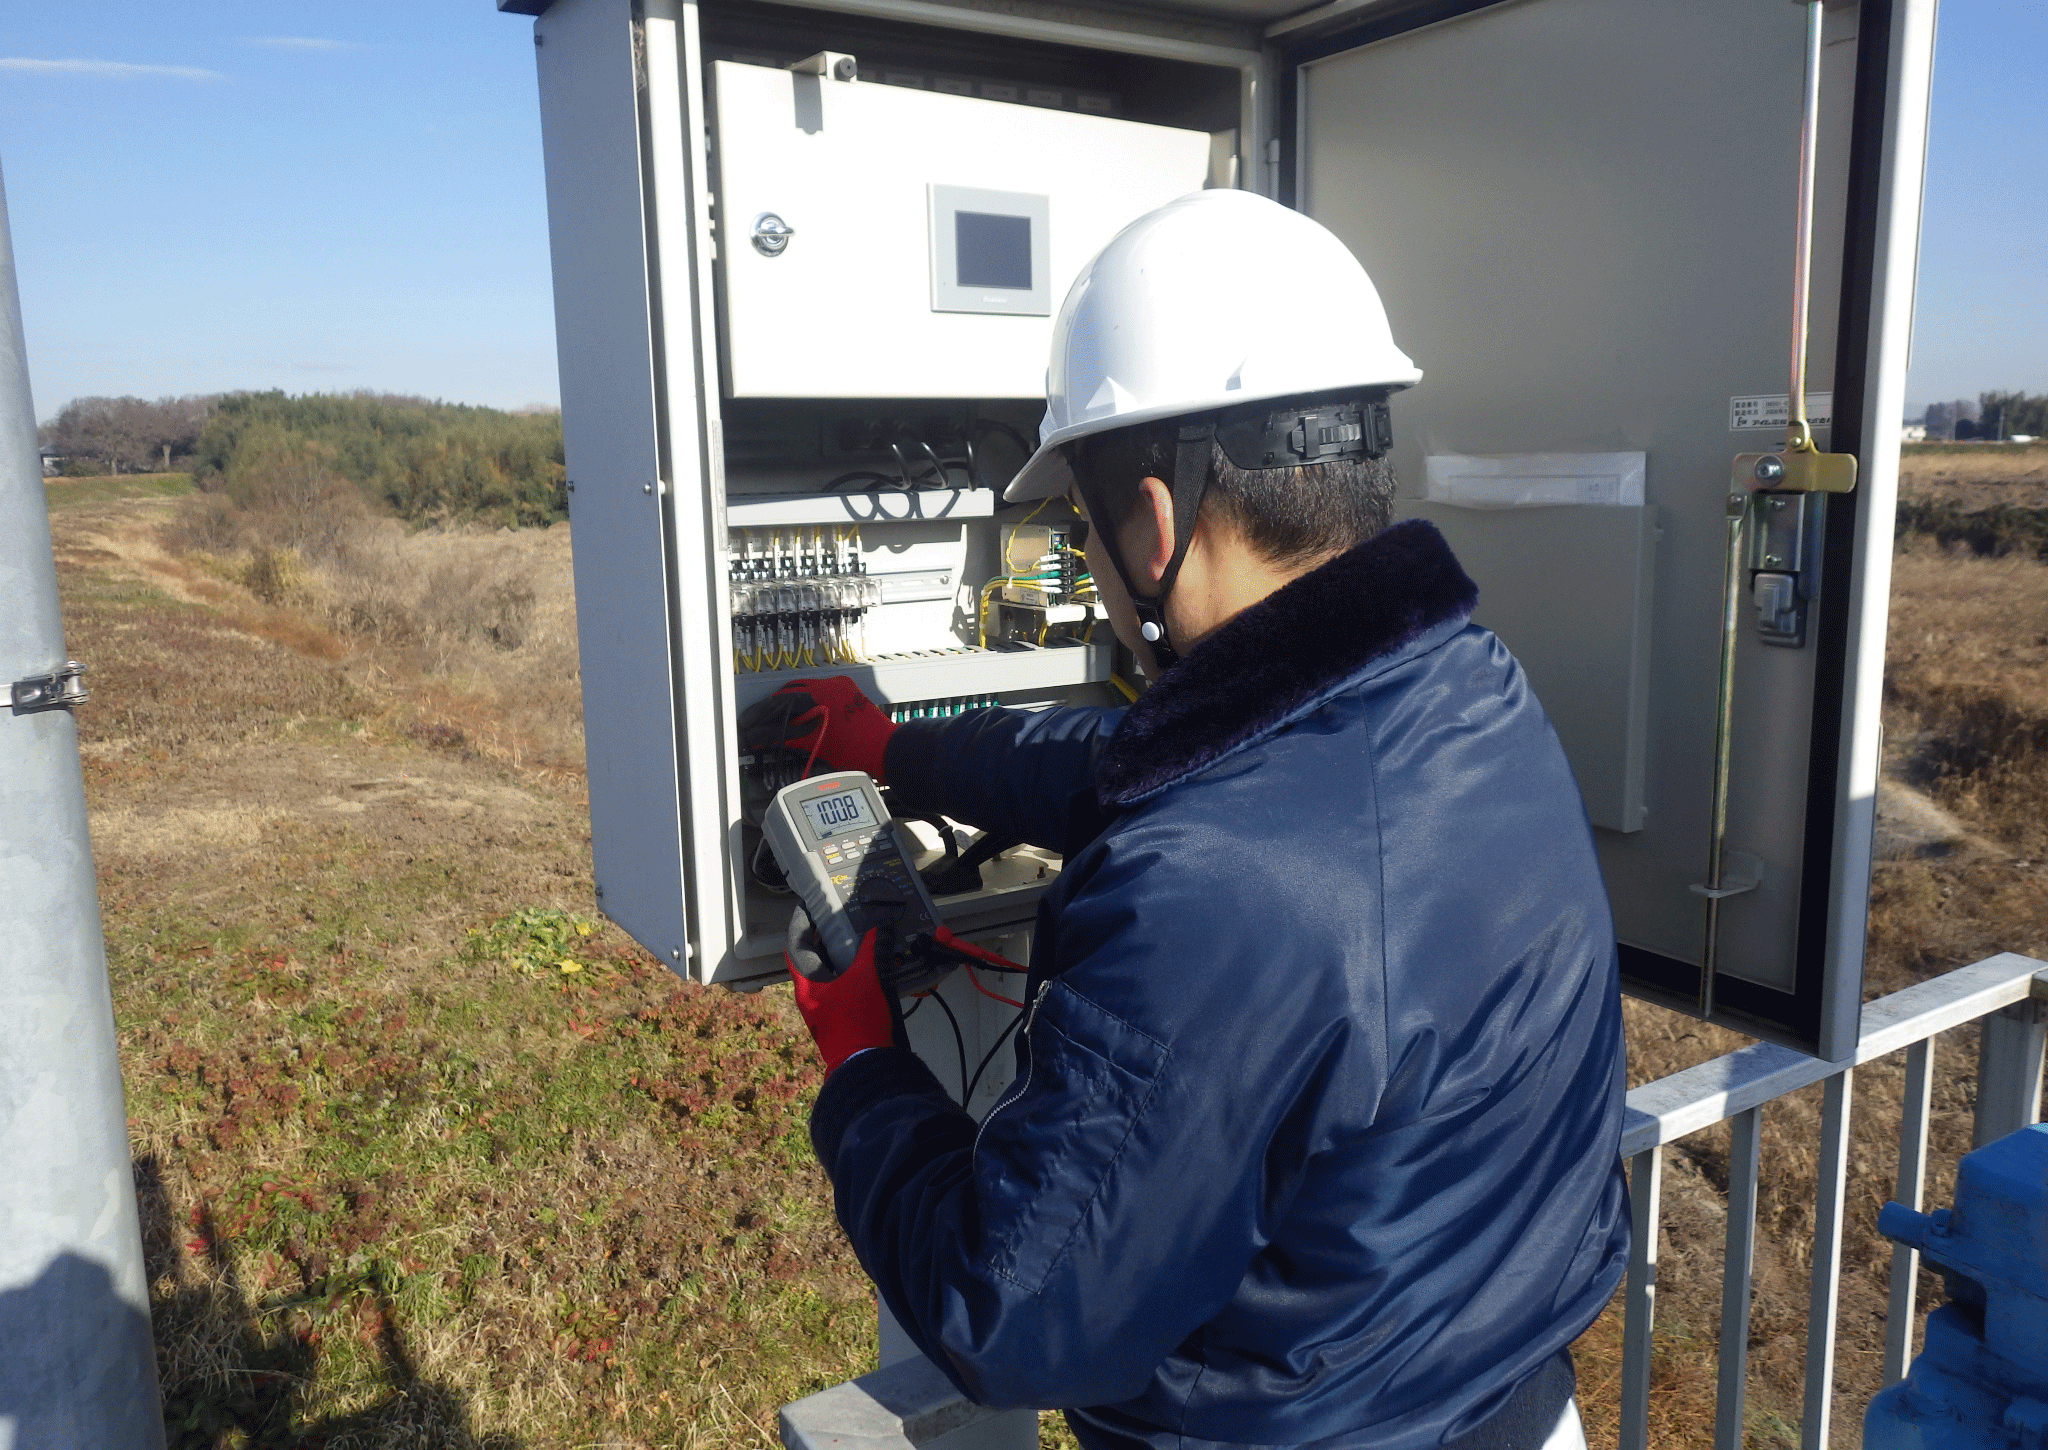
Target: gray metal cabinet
[{"x": 1580, "y": 214}]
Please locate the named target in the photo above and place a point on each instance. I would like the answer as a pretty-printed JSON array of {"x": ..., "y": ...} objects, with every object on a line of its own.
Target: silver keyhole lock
[{"x": 771, "y": 234}]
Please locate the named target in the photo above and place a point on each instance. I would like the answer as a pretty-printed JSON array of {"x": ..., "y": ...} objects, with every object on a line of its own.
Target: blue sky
[
  {"x": 316, "y": 197},
  {"x": 1982, "y": 320},
  {"x": 320, "y": 197}
]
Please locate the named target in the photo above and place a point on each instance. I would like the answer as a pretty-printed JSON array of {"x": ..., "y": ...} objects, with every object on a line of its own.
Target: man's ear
[{"x": 1152, "y": 524}]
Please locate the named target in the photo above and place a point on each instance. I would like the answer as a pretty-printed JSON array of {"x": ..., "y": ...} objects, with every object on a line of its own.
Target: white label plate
[
  {"x": 1535, "y": 480},
  {"x": 1769, "y": 410}
]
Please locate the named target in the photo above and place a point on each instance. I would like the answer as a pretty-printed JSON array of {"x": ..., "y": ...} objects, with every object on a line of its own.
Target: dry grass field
[
  {"x": 431, "y": 1156},
  {"x": 428, "y": 1157}
]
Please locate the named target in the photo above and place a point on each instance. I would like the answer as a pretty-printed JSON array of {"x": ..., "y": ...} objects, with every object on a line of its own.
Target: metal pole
[
  {"x": 1639, "y": 1312},
  {"x": 77, "y": 1371},
  {"x": 1738, "y": 1264},
  {"x": 1823, "y": 1306},
  {"x": 2009, "y": 1061},
  {"x": 1799, "y": 434},
  {"x": 1918, "y": 1107}
]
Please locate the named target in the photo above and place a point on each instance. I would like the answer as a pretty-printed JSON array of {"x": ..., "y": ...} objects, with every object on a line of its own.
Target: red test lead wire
[{"x": 945, "y": 938}]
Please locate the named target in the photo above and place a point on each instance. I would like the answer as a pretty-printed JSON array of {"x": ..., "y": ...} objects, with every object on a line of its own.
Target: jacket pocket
[{"x": 1045, "y": 1154}]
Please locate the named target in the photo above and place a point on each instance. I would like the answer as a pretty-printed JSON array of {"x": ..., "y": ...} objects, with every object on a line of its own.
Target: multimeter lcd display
[{"x": 835, "y": 815}]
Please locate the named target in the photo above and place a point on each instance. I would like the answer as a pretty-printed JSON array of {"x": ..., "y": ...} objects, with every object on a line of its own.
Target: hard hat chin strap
[
  {"x": 1323, "y": 428},
  {"x": 1191, "y": 454}
]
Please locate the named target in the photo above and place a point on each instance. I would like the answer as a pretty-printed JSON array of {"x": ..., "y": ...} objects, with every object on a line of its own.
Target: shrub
[
  {"x": 426, "y": 461},
  {"x": 1993, "y": 532}
]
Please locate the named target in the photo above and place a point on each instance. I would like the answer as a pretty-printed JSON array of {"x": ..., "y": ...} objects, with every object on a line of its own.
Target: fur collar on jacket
[{"x": 1283, "y": 656}]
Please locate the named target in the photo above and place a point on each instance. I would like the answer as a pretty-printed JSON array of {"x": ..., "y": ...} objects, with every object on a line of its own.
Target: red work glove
[
  {"x": 848, "y": 1014},
  {"x": 829, "y": 720}
]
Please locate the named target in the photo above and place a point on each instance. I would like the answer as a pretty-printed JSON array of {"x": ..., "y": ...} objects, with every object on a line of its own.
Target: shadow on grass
[{"x": 229, "y": 1381}]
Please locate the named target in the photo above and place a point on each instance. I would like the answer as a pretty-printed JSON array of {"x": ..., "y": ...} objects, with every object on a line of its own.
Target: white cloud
[
  {"x": 299, "y": 42},
  {"x": 117, "y": 69}
]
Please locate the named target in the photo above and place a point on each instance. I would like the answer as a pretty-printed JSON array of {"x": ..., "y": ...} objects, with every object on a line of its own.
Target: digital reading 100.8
[{"x": 835, "y": 815}]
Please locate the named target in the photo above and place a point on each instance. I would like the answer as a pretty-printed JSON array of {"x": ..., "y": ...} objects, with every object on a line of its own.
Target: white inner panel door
[{"x": 881, "y": 187}]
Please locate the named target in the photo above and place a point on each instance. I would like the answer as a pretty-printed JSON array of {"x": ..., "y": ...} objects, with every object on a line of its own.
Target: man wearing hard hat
[{"x": 1314, "y": 1134}]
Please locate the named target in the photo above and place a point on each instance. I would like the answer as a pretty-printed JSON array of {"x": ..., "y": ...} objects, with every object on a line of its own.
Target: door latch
[
  {"x": 771, "y": 234},
  {"x": 1784, "y": 564},
  {"x": 59, "y": 690}
]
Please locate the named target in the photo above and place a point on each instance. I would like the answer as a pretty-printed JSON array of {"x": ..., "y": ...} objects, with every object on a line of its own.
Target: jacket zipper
[{"x": 1030, "y": 1062}]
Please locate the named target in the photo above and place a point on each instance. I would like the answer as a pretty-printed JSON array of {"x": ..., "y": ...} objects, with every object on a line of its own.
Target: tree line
[
  {"x": 1990, "y": 417},
  {"x": 423, "y": 460},
  {"x": 125, "y": 435}
]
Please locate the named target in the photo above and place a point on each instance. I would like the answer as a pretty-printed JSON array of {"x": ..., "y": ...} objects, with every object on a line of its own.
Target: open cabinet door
[{"x": 1581, "y": 216}]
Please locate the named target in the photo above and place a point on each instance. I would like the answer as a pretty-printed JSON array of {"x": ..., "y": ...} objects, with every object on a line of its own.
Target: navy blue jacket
[{"x": 1315, "y": 1130}]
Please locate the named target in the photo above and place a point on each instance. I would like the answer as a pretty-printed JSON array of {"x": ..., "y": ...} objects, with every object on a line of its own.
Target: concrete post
[{"x": 77, "y": 1371}]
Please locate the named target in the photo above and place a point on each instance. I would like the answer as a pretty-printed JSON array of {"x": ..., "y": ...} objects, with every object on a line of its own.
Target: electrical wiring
[
  {"x": 824, "y": 721},
  {"x": 903, "y": 466},
  {"x": 860, "y": 475},
  {"x": 989, "y": 1057},
  {"x": 754, "y": 870},
  {"x": 908, "y": 478},
  {"x": 968, "y": 949},
  {"x": 1010, "y": 540},
  {"x": 995, "y": 996},
  {"x": 987, "y": 591},
  {"x": 1023, "y": 445},
  {"x": 959, "y": 1043}
]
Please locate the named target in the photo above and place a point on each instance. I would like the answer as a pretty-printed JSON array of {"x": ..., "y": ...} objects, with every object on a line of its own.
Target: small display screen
[
  {"x": 836, "y": 814},
  {"x": 991, "y": 250}
]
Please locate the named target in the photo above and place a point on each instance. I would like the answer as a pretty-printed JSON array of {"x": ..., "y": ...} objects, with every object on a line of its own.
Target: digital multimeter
[{"x": 847, "y": 863}]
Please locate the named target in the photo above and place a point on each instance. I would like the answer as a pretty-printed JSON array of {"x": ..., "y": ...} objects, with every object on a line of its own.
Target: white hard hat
[{"x": 1218, "y": 299}]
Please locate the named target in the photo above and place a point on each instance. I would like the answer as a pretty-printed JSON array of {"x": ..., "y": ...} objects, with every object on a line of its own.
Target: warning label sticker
[{"x": 1769, "y": 410}]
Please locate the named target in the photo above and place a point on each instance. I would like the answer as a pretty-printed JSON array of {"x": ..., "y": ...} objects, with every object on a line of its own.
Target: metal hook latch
[{"x": 59, "y": 690}]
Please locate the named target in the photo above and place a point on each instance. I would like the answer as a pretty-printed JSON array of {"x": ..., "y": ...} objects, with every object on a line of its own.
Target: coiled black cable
[{"x": 860, "y": 475}]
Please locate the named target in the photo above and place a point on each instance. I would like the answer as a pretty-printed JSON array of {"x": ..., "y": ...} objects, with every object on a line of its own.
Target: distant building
[
  {"x": 52, "y": 463},
  {"x": 1913, "y": 433}
]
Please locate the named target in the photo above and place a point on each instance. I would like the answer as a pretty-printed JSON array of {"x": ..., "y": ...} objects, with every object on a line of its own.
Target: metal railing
[
  {"x": 911, "y": 1404},
  {"x": 2008, "y": 992}
]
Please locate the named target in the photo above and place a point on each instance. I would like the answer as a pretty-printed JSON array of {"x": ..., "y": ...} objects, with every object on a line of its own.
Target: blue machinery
[{"x": 1982, "y": 1379}]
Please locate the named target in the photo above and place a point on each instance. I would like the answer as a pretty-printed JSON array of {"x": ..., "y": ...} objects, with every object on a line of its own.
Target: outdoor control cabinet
[{"x": 806, "y": 261}]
